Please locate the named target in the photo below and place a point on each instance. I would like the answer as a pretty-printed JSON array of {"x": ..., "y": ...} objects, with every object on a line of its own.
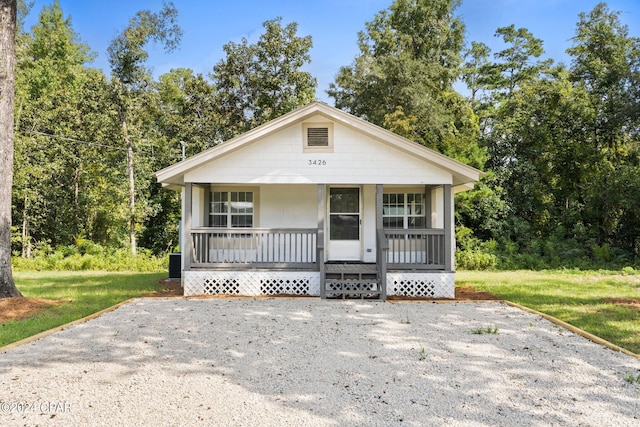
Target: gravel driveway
[{"x": 312, "y": 362}]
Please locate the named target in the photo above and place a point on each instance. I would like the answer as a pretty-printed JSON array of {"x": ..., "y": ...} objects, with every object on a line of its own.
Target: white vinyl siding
[{"x": 283, "y": 158}]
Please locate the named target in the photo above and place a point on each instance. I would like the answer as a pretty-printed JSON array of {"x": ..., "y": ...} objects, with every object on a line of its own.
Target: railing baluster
[
  {"x": 293, "y": 247},
  {"x": 416, "y": 248}
]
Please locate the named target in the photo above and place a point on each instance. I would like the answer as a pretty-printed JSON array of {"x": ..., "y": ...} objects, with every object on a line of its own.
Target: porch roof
[{"x": 463, "y": 176}]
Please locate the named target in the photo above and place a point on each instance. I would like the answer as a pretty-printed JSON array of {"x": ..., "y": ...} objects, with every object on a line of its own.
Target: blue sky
[{"x": 333, "y": 25}]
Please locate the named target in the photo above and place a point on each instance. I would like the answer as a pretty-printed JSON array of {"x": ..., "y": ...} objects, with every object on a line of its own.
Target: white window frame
[
  {"x": 229, "y": 214},
  {"x": 406, "y": 216}
]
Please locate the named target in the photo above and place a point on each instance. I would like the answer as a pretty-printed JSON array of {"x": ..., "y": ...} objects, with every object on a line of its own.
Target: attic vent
[{"x": 317, "y": 137}]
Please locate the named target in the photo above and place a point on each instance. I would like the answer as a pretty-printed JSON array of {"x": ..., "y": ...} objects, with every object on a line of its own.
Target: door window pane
[
  {"x": 344, "y": 227},
  {"x": 344, "y": 217},
  {"x": 344, "y": 200}
]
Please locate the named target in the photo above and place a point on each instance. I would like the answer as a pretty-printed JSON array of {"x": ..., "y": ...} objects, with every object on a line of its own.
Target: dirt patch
[
  {"x": 22, "y": 308},
  {"x": 169, "y": 288},
  {"x": 463, "y": 293},
  {"x": 633, "y": 303},
  {"x": 469, "y": 293}
]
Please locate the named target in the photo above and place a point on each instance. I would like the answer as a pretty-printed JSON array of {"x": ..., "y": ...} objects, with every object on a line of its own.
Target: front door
[{"x": 344, "y": 224}]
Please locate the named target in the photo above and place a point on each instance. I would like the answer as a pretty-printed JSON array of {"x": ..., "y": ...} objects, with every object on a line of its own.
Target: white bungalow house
[{"x": 318, "y": 202}]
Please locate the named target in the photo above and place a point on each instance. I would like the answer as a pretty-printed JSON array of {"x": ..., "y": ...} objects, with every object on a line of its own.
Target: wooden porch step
[
  {"x": 351, "y": 280},
  {"x": 352, "y": 288},
  {"x": 350, "y": 268}
]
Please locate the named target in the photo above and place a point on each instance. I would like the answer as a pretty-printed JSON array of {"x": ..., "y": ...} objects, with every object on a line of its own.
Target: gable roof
[{"x": 463, "y": 175}]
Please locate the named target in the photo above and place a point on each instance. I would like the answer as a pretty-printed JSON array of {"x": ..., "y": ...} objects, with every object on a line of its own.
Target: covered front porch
[{"x": 367, "y": 241}]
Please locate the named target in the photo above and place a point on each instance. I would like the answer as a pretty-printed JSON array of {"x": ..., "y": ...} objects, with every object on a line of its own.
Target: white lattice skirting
[
  {"x": 430, "y": 285},
  {"x": 251, "y": 283}
]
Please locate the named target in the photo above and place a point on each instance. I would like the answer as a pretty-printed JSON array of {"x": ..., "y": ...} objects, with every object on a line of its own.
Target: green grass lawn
[
  {"x": 578, "y": 298},
  {"x": 87, "y": 292}
]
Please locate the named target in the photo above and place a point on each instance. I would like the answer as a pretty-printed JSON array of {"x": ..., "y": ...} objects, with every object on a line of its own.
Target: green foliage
[
  {"x": 473, "y": 253},
  {"x": 475, "y": 259},
  {"x": 631, "y": 378},
  {"x": 403, "y": 78},
  {"x": 422, "y": 353},
  {"x": 87, "y": 147},
  {"x": 258, "y": 82},
  {"x": 184, "y": 109},
  {"x": 131, "y": 92},
  {"x": 493, "y": 330},
  {"x": 516, "y": 65},
  {"x": 127, "y": 53},
  {"x": 563, "y": 148},
  {"x": 405, "y": 319},
  {"x": 89, "y": 256},
  {"x": 62, "y": 126},
  {"x": 559, "y": 143}
]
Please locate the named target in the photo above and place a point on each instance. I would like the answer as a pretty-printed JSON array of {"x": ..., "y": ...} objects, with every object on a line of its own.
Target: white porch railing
[
  {"x": 259, "y": 247},
  {"x": 416, "y": 249}
]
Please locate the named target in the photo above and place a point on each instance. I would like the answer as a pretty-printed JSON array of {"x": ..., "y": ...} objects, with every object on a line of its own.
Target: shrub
[
  {"x": 92, "y": 257},
  {"x": 475, "y": 260}
]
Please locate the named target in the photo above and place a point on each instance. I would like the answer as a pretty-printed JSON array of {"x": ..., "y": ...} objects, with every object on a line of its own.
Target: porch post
[
  {"x": 381, "y": 256},
  {"x": 206, "y": 209},
  {"x": 322, "y": 209},
  {"x": 186, "y": 231},
  {"x": 449, "y": 229},
  {"x": 427, "y": 206}
]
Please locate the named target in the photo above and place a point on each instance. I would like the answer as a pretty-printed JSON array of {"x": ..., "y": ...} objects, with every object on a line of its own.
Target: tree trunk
[
  {"x": 76, "y": 203},
  {"x": 132, "y": 189},
  {"x": 7, "y": 95},
  {"x": 26, "y": 237},
  {"x": 132, "y": 192}
]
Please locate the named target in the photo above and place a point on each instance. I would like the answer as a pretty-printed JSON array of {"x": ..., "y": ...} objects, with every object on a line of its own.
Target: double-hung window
[
  {"x": 231, "y": 209},
  {"x": 404, "y": 210}
]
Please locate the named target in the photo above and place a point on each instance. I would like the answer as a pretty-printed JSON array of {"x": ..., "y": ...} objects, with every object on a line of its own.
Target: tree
[
  {"x": 563, "y": 144},
  {"x": 403, "y": 78},
  {"x": 258, "y": 82},
  {"x": 516, "y": 64},
  {"x": 52, "y": 118},
  {"x": 508, "y": 96},
  {"x": 7, "y": 92},
  {"x": 606, "y": 65},
  {"x": 185, "y": 110},
  {"x": 477, "y": 72},
  {"x": 130, "y": 78}
]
